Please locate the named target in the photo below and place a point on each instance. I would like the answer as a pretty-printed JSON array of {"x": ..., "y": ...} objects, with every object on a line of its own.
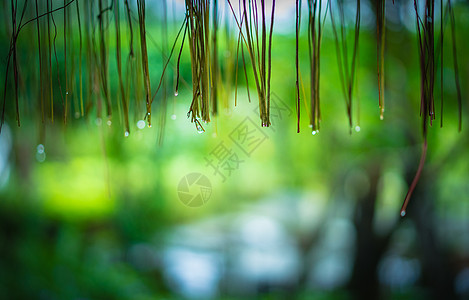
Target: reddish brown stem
[{"x": 416, "y": 179}]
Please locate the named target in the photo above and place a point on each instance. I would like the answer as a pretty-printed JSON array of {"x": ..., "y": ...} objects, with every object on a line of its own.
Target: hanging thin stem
[
  {"x": 40, "y": 65},
  {"x": 456, "y": 68},
  {"x": 143, "y": 46},
  {"x": 80, "y": 60},
  {"x": 119, "y": 69},
  {"x": 380, "y": 42}
]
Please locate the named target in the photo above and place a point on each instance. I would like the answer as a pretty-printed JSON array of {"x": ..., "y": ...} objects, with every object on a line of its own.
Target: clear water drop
[
  {"x": 141, "y": 124},
  {"x": 98, "y": 121},
  {"x": 109, "y": 122},
  {"x": 173, "y": 117},
  {"x": 126, "y": 134},
  {"x": 40, "y": 148},
  {"x": 199, "y": 128},
  {"x": 357, "y": 128},
  {"x": 176, "y": 93},
  {"x": 403, "y": 213},
  {"x": 314, "y": 132},
  {"x": 66, "y": 93}
]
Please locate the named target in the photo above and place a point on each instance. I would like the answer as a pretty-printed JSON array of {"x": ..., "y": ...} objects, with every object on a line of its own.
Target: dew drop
[
  {"x": 176, "y": 93},
  {"x": 199, "y": 128},
  {"x": 40, "y": 148},
  {"x": 173, "y": 117},
  {"x": 310, "y": 125},
  {"x": 109, "y": 122},
  {"x": 381, "y": 117},
  {"x": 141, "y": 124},
  {"x": 357, "y": 128},
  {"x": 126, "y": 134},
  {"x": 314, "y": 132},
  {"x": 403, "y": 213},
  {"x": 98, "y": 121},
  {"x": 66, "y": 93}
]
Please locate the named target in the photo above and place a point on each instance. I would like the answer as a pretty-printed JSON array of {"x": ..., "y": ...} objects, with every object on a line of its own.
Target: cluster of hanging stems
[{"x": 254, "y": 36}]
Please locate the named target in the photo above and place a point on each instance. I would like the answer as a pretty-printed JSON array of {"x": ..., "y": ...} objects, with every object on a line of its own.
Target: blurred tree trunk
[{"x": 370, "y": 247}]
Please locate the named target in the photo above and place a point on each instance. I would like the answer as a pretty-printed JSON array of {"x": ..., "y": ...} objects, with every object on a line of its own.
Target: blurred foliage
[{"x": 74, "y": 225}]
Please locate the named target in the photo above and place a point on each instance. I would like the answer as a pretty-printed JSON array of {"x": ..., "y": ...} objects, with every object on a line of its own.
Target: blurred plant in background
[{"x": 88, "y": 213}]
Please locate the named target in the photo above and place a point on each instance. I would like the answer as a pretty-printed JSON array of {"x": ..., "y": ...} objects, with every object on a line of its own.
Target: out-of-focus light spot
[
  {"x": 40, "y": 157},
  {"x": 194, "y": 274},
  {"x": 141, "y": 124},
  {"x": 332, "y": 271},
  {"x": 5, "y": 148},
  {"x": 266, "y": 253},
  {"x": 40, "y": 148},
  {"x": 40, "y": 153},
  {"x": 398, "y": 272}
]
